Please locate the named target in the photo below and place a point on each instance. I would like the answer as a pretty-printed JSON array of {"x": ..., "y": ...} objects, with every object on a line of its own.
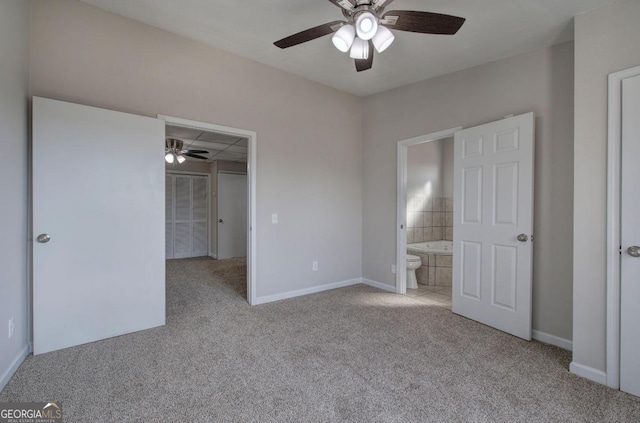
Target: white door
[
  {"x": 98, "y": 195},
  {"x": 232, "y": 215},
  {"x": 187, "y": 206},
  {"x": 493, "y": 222},
  {"x": 630, "y": 239}
]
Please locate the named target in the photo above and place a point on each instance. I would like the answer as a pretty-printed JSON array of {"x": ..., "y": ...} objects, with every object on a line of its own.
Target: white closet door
[
  {"x": 200, "y": 209},
  {"x": 182, "y": 224},
  {"x": 187, "y": 216},
  {"x": 168, "y": 213}
]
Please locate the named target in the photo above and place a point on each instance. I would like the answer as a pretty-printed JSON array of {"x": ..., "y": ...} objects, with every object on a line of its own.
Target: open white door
[
  {"x": 98, "y": 220},
  {"x": 493, "y": 223},
  {"x": 232, "y": 215},
  {"x": 630, "y": 239}
]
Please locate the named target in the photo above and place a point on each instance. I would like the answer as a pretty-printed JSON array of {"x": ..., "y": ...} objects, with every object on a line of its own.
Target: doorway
[
  {"x": 430, "y": 222},
  {"x": 492, "y": 226},
  {"x": 225, "y": 148}
]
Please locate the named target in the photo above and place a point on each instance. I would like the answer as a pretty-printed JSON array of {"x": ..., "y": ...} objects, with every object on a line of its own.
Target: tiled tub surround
[
  {"x": 437, "y": 263},
  {"x": 429, "y": 219}
]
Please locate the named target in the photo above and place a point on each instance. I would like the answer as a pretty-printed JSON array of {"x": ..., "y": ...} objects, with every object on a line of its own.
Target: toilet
[{"x": 413, "y": 263}]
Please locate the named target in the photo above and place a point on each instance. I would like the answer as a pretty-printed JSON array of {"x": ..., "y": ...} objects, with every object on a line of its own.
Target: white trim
[
  {"x": 587, "y": 372},
  {"x": 17, "y": 361},
  {"x": 401, "y": 202},
  {"x": 547, "y": 338},
  {"x": 252, "y": 244},
  {"x": 379, "y": 285},
  {"x": 306, "y": 291},
  {"x": 614, "y": 147}
]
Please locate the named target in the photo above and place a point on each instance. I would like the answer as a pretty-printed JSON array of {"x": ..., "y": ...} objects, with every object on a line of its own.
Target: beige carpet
[{"x": 354, "y": 354}]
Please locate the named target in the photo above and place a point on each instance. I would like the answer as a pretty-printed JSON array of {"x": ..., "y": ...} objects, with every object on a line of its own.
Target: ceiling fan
[
  {"x": 367, "y": 26},
  {"x": 175, "y": 154}
]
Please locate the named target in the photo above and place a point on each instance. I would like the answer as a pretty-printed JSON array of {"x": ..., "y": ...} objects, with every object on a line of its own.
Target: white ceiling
[
  {"x": 219, "y": 146},
  {"x": 494, "y": 29}
]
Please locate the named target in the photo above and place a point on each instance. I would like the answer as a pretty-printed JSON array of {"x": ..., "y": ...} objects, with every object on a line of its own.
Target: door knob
[
  {"x": 523, "y": 238},
  {"x": 43, "y": 238},
  {"x": 220, "y": 220},
  {"x": 634, "y": 251}
]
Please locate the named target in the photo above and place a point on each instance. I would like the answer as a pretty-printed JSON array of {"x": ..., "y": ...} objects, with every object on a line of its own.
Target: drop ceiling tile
[
  {"x": 237, "y": 149},
  {"x": 182, "y": 132},
  {"x": 219, "y": 138},
  {"x": 242, "y": 142}
]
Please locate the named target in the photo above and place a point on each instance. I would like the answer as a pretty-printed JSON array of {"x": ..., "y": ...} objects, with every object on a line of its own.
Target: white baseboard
[
  {"x": 17, "y": 361},
  {"x": 215, "y": 256},
  {"x": 379, "y": 285},
  {"x": 588, "y": 372},
  {"x": 546, "y": 338},
  {"x": 305, "y": 291}
]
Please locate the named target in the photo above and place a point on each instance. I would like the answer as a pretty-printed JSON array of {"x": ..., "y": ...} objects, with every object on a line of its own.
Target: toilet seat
[{"x": 412, "y": 258}]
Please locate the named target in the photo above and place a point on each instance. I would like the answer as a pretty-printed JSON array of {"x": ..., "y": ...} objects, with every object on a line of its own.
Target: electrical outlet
[
  {"x": 393, "y": 269},
  {"x": 314, "y": 266},
  {"x": 274, "y": 218},
  {"x": 10, "y": 327}
]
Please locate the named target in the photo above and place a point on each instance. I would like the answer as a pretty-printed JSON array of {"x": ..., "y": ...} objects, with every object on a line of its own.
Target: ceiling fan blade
[
  {"x": 195, "y": 156},
  {"x": 309, "y": 34},
  {"x": 345, "y": 4},
  {"x": 366, "y": 64},
  {"x": 422, "y": 22},
  {"x": 379, "y": 4},
  {"x": 196, "y": 151}
]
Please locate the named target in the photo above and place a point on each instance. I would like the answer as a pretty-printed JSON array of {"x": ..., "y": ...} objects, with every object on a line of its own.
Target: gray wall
[
  {"x": 424, "y": 165},
  {"x": 542, "y": 82},
  {"x": 83, "y": 54},
  {"x": 607, "y": 40},
  {"x": 14, "y": 74}
]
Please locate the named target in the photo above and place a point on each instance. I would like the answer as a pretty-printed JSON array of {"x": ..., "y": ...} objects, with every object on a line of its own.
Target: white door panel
[
  {"x": 630, "y": 237},
  {"x": 493, "y": 205},
  {"x": 232, "y": 215},
  {"x": 98, "y": 191}
]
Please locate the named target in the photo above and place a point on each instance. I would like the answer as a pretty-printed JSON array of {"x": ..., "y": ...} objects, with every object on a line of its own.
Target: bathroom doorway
[{"x": 426, "y": 188}]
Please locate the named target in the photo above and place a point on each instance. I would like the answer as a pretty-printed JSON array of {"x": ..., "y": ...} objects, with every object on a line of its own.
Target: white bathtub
[{"x": 432, "y": 247}]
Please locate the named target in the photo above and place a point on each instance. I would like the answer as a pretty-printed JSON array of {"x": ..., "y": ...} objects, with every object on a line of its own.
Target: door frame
[
  {"x": 182, "y": 172},
  {"x": 401, "y": 201},
  {"x": 614, "y": 185},
  {"x": 252, "y": 256}
]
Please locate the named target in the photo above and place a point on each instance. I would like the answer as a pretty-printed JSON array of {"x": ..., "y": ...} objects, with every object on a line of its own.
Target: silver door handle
[
  {"x": 523, "y": 238},
  {"x": 634, "y": 251},
  {"x": 43, "y": 238}
]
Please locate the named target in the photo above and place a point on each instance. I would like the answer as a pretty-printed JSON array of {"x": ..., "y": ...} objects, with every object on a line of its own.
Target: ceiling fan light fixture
[
  {"x": 359, "y": 49},
  {"x": 343, "y": 38},
  {"x": 169, "y": 158},
  {"x": 181, "y": 159},
  {"x": 383, "y": 39},
  {"x": 366, "y": 25}
]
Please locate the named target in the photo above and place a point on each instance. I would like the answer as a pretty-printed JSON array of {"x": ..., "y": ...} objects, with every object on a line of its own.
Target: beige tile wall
[{"x": 429, "y": 219}]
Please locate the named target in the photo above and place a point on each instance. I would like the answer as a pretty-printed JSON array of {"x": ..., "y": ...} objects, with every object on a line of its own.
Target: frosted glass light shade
[
  {"x": 366, "y": 25},
  {"x": 383, "y": 39},
  {"x": 181, "y": 159},
  {"x": 359, "y": 49},
  {"x": 169, "y": 158},
  {"x": 343, "y": 38}
]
